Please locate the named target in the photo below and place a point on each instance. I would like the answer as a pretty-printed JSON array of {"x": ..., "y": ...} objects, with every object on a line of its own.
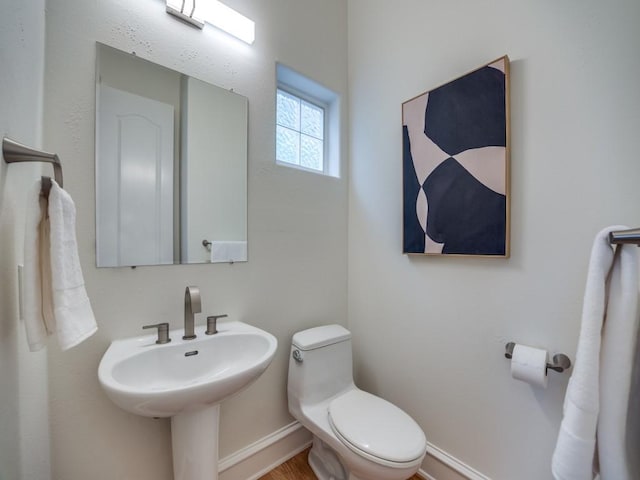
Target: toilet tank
[{"x": 320, "y": 365}]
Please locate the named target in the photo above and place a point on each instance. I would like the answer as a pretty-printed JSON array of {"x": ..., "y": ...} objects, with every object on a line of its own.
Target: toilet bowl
[{"x": 356, "y": 435}]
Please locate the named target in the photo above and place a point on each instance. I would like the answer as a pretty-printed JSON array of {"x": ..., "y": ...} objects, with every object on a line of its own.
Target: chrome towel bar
[{"x": 625, "y": 236}]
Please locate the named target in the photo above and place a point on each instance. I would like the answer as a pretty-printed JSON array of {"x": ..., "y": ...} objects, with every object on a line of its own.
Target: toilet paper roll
[{"x": 529, "y": 364}]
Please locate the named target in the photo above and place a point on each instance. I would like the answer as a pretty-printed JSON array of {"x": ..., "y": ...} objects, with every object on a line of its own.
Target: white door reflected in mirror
[{"x": 135, "y": 187}]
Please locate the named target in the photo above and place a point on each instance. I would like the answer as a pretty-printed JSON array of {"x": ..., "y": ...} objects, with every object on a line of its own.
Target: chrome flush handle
[{"x": 297, "y": 356}]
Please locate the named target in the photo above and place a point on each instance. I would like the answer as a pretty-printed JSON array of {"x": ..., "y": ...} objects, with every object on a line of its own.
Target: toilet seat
[{"x": 376, "y": 429}]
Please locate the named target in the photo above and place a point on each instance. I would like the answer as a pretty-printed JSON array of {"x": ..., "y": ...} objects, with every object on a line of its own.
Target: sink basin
[{"x": 165, "y": 380}]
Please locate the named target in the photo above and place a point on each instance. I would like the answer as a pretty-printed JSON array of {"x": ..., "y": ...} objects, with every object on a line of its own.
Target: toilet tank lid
[{"x": 320, "y": 337}]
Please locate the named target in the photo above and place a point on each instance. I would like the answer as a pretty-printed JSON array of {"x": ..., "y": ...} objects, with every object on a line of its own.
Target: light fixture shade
[
  {"x": 217, "y": 14},
  {"x": 225, "y": 18}
]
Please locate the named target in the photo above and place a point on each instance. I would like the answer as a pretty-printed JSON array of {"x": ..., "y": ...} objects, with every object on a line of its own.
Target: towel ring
[{"x": 14, "y": 152}]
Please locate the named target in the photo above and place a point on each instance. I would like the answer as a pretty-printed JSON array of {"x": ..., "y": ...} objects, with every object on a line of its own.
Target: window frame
[{"x": 303, "y": 96}]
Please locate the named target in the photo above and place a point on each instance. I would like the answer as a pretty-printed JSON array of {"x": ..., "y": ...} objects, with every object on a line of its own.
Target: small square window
[
  {"x": 307, "y": 124},
  {"x": 300, "y": 134}
]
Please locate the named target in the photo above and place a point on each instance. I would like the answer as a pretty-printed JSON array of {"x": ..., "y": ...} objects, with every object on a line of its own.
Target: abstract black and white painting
[{"x": 456, "y": 166}]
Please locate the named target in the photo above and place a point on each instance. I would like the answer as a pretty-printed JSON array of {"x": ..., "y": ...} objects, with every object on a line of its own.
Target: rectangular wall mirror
[{"x": 171, "y": 166}]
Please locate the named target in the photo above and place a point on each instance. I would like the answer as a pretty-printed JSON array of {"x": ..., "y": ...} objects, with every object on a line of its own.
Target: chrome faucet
[{"x": 192, "y": 304}]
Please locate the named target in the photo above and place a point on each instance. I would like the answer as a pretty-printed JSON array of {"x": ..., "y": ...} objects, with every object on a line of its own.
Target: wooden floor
[{"x": 298, "y": 469}]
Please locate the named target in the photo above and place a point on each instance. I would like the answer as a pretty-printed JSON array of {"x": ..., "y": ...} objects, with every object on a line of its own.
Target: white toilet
[{"x": 356, "y": 435}]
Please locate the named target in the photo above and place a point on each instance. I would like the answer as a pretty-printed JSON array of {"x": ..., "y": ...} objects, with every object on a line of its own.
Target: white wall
[
  {"x": 24, "y": 425},
  {"x": 296, "y": 276},
  {"x": 442, "y": 322}
]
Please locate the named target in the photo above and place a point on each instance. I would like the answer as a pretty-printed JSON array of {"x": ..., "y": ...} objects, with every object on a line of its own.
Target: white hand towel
[
  {"x": 228, "y": 251},
  {"x": 633, "y": 416},
  {"x": 596, "y": 401},
  {"x": 616, "y": 365},
  {"x": 72, "y": 310},
  {"x": 573, "y": 457},
  {"x": 55, "y": 300}
]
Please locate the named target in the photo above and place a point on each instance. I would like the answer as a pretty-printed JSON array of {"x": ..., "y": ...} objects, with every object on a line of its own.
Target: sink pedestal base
[{"x": 194, "y": 438}]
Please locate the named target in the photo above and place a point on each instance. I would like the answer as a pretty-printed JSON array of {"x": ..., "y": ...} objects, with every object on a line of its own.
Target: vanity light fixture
[
  {"x": 188, "y": 14},
  {"x": 197, "y": 12}
]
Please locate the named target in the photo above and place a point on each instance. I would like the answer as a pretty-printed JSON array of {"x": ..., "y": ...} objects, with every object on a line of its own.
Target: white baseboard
[
  {"x": 262, "y": 456},
  {"x": 440, "y": 465}
]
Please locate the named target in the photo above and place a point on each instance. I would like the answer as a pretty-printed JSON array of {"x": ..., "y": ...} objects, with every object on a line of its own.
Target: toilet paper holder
[{"x": 560, "y": 361}]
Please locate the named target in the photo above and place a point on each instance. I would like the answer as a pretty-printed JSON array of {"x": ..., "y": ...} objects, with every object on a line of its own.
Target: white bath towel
[
  {"x": 55, "y": 300},
  {"x": 573, "y": 458}
]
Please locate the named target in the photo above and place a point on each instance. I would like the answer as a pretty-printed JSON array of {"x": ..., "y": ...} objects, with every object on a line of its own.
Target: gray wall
[
  {"x": 24, "y": 427},
  {"x": 296, "y": 276},
  {"x": 442, "y": 322},
  {"x": 575, "y": 107}
]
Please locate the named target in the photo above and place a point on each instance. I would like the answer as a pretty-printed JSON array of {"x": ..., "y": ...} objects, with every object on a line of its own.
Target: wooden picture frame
[{"x": 456, "y": 181}]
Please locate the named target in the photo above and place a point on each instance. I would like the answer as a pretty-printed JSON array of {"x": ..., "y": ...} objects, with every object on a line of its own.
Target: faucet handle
[
  {"x": 163, "y": 332},
  {"x": 212, "y": 322}
]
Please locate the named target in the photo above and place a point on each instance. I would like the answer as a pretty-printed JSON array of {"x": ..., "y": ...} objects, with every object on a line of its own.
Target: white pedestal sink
[
  {"x": 186, "y": 380},
  {"x": 194, "y": 437}
]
